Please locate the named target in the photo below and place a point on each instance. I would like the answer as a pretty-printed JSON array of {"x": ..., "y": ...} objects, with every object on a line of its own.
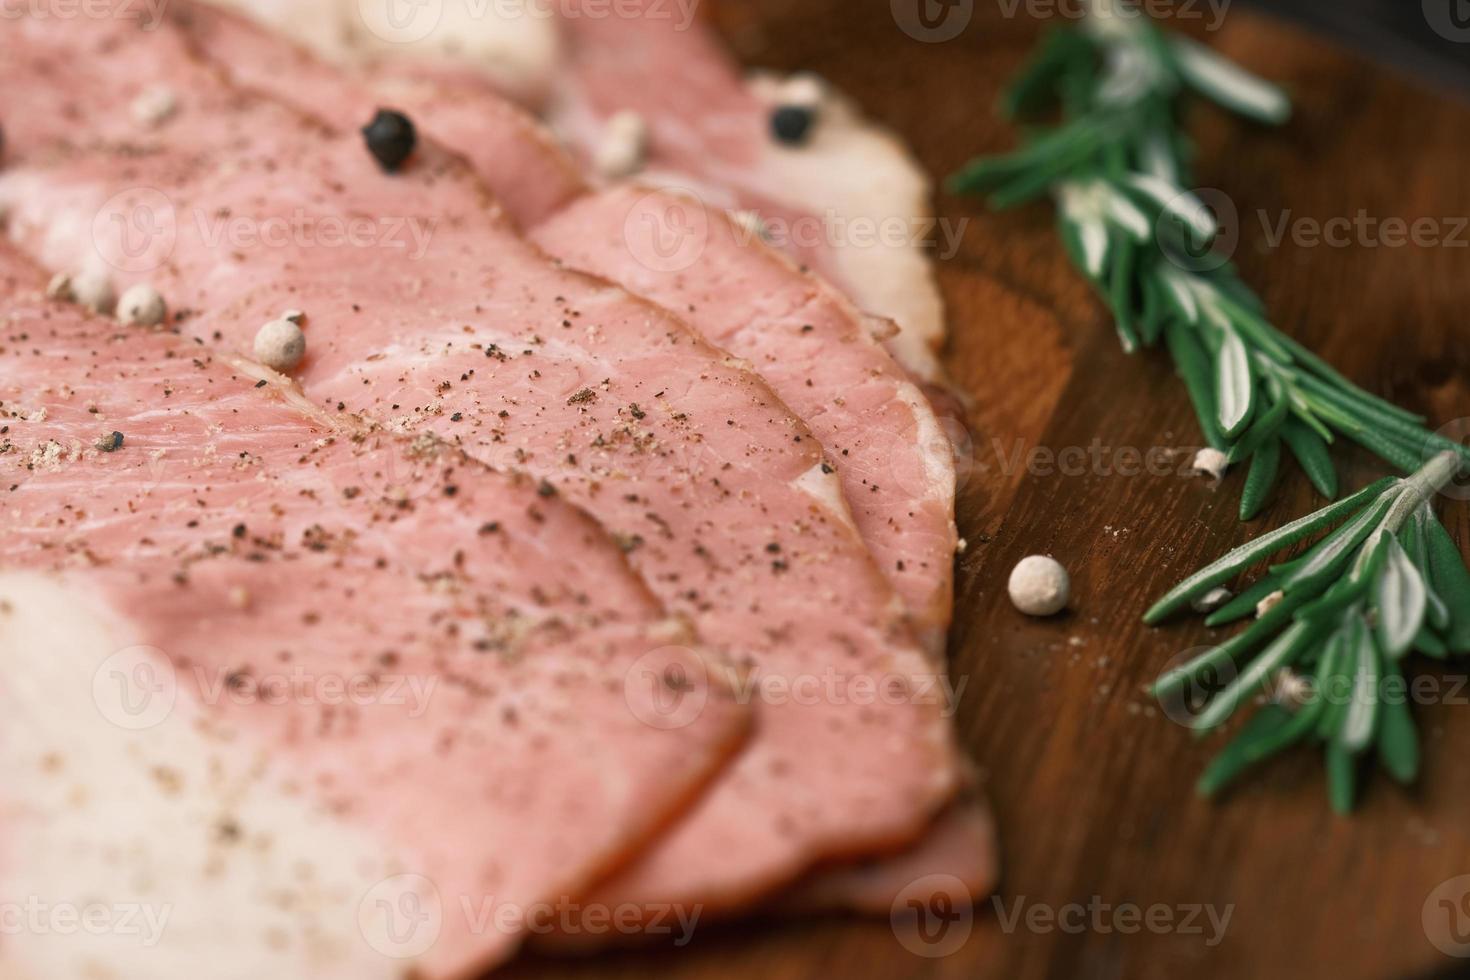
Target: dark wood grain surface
[{"x": 1090, "y": 783}]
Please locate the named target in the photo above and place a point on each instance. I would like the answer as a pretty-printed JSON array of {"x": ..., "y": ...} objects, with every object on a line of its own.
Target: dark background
[{"x": 1397, "y": 32}]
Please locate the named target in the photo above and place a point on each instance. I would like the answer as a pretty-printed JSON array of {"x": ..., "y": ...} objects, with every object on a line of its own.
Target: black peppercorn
[
  {"x": 792, "y": 124},
  {"x": 390, "y": 139}
]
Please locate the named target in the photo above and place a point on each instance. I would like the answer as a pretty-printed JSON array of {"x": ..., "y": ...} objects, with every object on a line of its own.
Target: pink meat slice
[
  {"x": 802, "y": 336},
  {"x": 806, "y": 340},
  {"x": 246, "y": 538},
  {"x": 528, "y": 173},
  {"x": 956, "y": 862},
  {"x": 718, "y": 493},
  {"x": 797, "y": 332},
  {"x": 711, "y": 131}
]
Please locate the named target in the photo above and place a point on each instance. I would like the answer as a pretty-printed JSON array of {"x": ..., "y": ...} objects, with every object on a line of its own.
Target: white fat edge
[
  {"x": 61, "y": 231},
  {"x": 935, "y": 447},
  {"x": 287, "y": 389},
  {"x": 855, "y": 169},
  {"x": 88, "y": 822},
  {"x": 826, "y": 490},
  {"x": 516, "y": 42}
]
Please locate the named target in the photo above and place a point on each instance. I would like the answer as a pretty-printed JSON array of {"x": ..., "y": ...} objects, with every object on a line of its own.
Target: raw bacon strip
[
  {"x": 353, "y": 670},
  {"x": 798, "y": 333},
  {"x": 716, "y": 490}
]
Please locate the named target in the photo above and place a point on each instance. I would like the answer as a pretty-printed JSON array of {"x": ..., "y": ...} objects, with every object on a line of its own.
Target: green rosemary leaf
[
  {"x": 1336, "y": 600},
  {"x": 1267, "y": 733},
  {"x": 1246, "y": 320},
  {"x": 1332, "y": 681},
  {"x": 1398, "y": 744},
  {"x": 1332, "y": 554},
  {"x": 1239, "y": 296},
  {"x": 1244, "y": 604},
  {"x": 1370, "y": 415},
  {"x": 1265, "y": 464},
  {"x": 1303, "y": 413},
  {"x": 1219, "y": 572},
  {"x": 1311, "y": 452},
  {"x": 1264, "y": 429},
  {"x": 1412, "y": 538},
  {"x": 1071, "y": 240},
  {"x": 1366, "y": 569},
  {"x": 1304, "y": 356},
  {"x": 1451, "y": 581},
  {"x": 1151, "y": 320},
  {"x": 1387, "y": 448},
  {"x": 1235, "y": 387},
  {"x": 1430, "y": 645},
  {"x": 1400, "y": 601},
  {"x": 1229, "y": 85},
  {"x": 1282, "y": 652},
  {"x": 1121, "y": 211},
  {"x": 1178, "y": 295},
  {"x": 1118, "y": 161},
  {"x": 1035, "y": 89},
  {"x": 1034, "y": 184},
  {"x": 1234, "y": 649},
  {"x": 1164, "y": 196},
  {"x": 1362, "y": 712},
  {"x": 1194, "y": 367},
  {"x": 1342, "y": 778},
  {"x": 1120, "y": 289}
]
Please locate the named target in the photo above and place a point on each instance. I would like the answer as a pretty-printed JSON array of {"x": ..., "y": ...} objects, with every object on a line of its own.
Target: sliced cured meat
[
  {"x": 718, "y": 492},
  {"x": 850, "y": 201},
  {"x": 799, "y": 334},
  {"x": 955, "y": 862},
  {"x": 802, "y": 337},
  {"x": 271, "y": 679},
  {"x": 895, "y": 461},
  {"x": 529, "y": 174}
]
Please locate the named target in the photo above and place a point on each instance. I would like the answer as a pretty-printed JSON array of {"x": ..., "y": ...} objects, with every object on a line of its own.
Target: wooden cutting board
[{"x": 1090, "y": 783}]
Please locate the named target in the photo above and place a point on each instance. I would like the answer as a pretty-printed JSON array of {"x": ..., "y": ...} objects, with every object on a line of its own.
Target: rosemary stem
[{"x": 1420, "y": 488}]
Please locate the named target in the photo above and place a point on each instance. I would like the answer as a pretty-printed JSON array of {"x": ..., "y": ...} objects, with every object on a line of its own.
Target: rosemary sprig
[
  {"x": 1332, "y": 626},
  {"x": 1117, "y": 166}
]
